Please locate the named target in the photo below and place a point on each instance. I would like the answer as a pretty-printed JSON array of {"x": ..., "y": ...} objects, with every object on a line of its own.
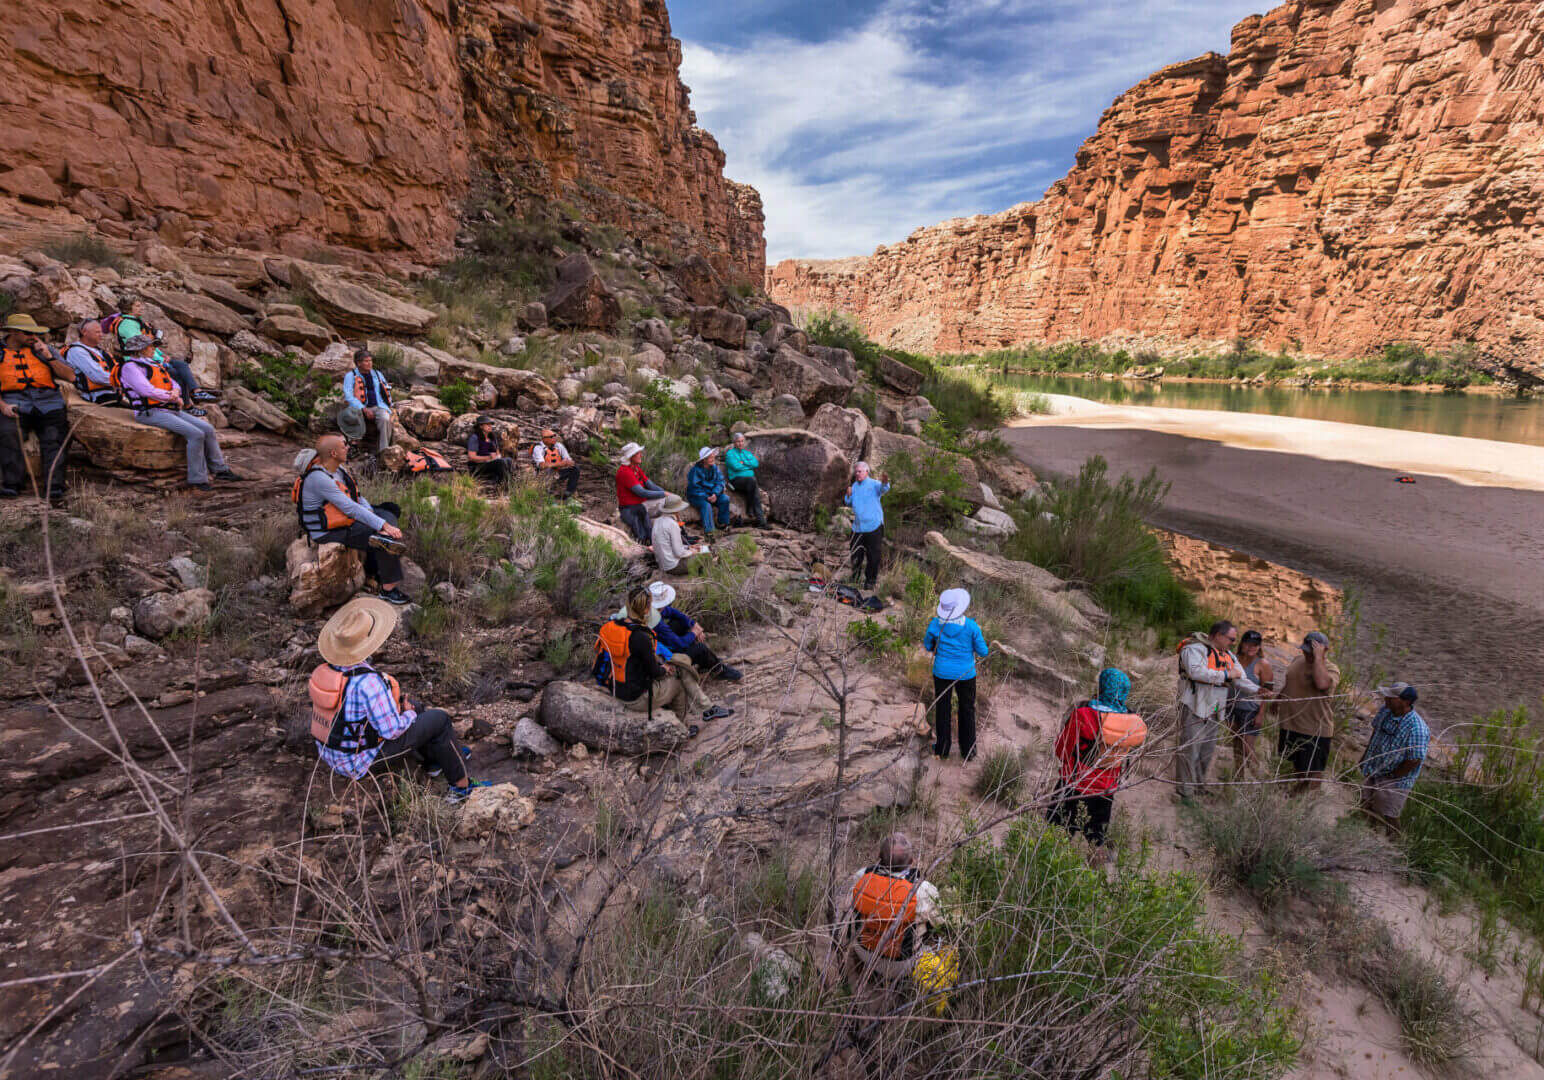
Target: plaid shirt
[
  {"x": 372, "y": 699},
  {"x": 1394, "y": 741}
]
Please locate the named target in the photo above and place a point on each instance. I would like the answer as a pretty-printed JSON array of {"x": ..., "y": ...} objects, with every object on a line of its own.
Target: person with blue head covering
[
  {"x": 955, "y": 642},
  {"x": 1092, "y": 748}
]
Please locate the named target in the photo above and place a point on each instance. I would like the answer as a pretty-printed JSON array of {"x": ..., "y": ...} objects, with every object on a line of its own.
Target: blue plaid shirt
[
  {"x": 370, "y": 698},
  {"x": 1394, "y": 741}
]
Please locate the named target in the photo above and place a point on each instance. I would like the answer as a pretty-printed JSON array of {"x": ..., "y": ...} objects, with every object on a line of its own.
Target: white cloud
[{"x": 929, "y": 110}]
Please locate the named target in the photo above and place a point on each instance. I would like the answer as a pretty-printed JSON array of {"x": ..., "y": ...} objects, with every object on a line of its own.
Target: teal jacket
[{"x": 738, "y": 463}]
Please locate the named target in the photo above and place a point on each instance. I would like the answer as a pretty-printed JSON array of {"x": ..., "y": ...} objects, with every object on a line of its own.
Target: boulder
[
  {"x": 700, "y": 282},
  {"x": 533, "y": 316},
  {"x": 293, "y": 330},
  {"x": 260, "y": 411},
  {"x": 839, "y": 359},
  {"x": 847, "y": 428},
  {"x": 160, "y": 614},
  {"x": 487, "y": 395},
  {"x": 582, "y": 713},
  {"x": 335, "y": 359},
  {"x": 581, "y": 300},
  {"x": 812, "y": 381},
  {"x": 425, "y": 417},
  {"x": 199, "y": 312},
  {"x": 919, "y": 409},
  {"x": 511, "y": 382},
  {"x": 884, "y": 445},
  {"x": 784, "y": 410},
  {"x": 902, "y": 378},
  {"x": 111, "y": 439},
  {"x": 492, "y": 810},
  {"x": 655, "y": 332},
  {"x": 31, "y": 183},
  {"x": 621, "y": 540},
  {"x": 990, "y": 522},
  {"x": 223, "y": 291},
  {"x": 650, "y": 356},
  {"x": 242, "y": 269},
  {"x": 204, "y": 361},
  {"x": 530, "y": 739},
  {"x": 322, "y": 576},
  {"x": 719, "y": 326},
  {"x": 782, "y": 334},
  {"x": 513, "y": 345},
  {"x": 799, "y": 472},
  {"x": 249, "y": 344},
  {"x": 1050, "y": 593},
  {"x": 358, "y": 307}
]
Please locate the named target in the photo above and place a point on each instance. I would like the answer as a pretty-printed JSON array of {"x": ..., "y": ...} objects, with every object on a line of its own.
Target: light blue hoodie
[{"x": 955, "y": 645}]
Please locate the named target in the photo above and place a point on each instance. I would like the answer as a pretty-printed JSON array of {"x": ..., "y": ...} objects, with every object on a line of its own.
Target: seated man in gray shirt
[{"x": 332, "y": 511}]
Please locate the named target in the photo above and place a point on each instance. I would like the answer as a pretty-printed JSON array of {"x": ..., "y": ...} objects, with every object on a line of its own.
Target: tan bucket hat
[
  {"x": 356, "y": 630},
  {"x": 670, "y": 504},
  {"x": 24, "y": 323}
]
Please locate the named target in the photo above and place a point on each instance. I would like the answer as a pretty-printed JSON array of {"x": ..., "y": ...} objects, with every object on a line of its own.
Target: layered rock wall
[
  {"x": 1353, "y": 172},
  {"x": 359, "y": 123}
]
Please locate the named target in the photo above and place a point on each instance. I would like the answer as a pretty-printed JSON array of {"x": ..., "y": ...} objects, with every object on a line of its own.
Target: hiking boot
[
  {"x": 204, "y": 488},
  {"x": 396, "y": 596},
  {"x": 717, "y": 712},
  {"x": 8, "y": 493},
  {"x": 388, "y": 544},
  {"x": 195, "y": 411},
  {"x": 434, "y": 772},
  {"x": 458, "y": 795},
  {"x": 732, "y": 674},
  {"x": 205, "y": 395},
  {"x": 227, "y": 474}
]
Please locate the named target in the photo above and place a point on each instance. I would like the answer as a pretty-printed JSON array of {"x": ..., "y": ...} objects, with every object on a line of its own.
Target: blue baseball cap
[{"x": 1402, "y": 690}]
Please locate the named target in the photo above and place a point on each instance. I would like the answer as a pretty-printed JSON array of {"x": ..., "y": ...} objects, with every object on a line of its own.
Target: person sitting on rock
[
  {"x": 153, "y": 394},
  {"x": 332, "y": 511},
  {"x": 484, "y": 457},
  {"x": 551, "y": 458},
  {"x": 31, "y": 373},
  {"x": 634, "y": 492},
  {"x": 366, "y": 398},
  {"x": 706, "y": 490},
  {"x": 360, "y": 716},
  {"x": 886, "y": 914},
  {"x": 955, "y": 642},
  {"x": 1092, "y": 747},
  {"x": 864, "y": 495},
  {"x": 681, "y": 634},
  {"x": 670, "y": 549},
  {"x": 92, "y": 366},
  {"x": 130, "y": 325},
  {"x": 740, "y": 467},
  {"x": 627, "y": 644}
]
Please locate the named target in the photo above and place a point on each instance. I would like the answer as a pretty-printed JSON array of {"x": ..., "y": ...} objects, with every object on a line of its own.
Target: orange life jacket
[
  {"x": 327, "y": 516},
  {"x": 886, "y": 907},
  {"x": 329, "y": 688},
  {"x": 159, "y": 378},
  {"x": 1216, "y": 661},
  {"x": 83, "y": 384},
  {"x": 1120, "y": 734},
  {"x": 425, "y": 461},
  {"x": 613, "y": 648},
  {"x": 363, "y": 394},
  {"x": 23, "y": 369},
  {"x": 553, "y": 456}
]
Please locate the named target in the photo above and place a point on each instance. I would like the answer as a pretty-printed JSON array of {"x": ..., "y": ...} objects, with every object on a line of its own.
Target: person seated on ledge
[
  {"x": 670, "y": 550},
  {"x": 740, "y": 467},
  {"x": 627, "y": 644},
  {"x": 360, "y": 716},
  {"x": 705, "y": 490},
  {"x": 92, "y": 366},
  {"x": 153, "y": 394},
  {"x": 635, "y": 491},
  {"x": 332, "y": 511},
  {"x": 30, "y": 375},
  {"x": 679, "y": 633},
  {"x": 131, "y": 325},
  {"x": 552, "y": 459},
  {"x": 366, "y": 397},
  {"x": 484, "y": 457}
]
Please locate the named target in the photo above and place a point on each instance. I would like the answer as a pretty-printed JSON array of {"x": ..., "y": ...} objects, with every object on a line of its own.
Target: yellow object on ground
[{"x": 935, "y": 972}]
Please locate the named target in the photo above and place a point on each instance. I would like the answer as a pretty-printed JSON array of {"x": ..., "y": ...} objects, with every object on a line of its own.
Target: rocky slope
[
  {"x": 362, "y": 125},
  {"x": 1351, "y": 173}
]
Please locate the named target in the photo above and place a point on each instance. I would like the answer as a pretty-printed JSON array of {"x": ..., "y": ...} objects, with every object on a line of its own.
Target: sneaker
[
  {"x": 692, "y": 730},
  {"x": 396, "y": 596},
  {"x": 434, "y": 772},
  {"x": 732, "y": 674},
  {"x": 228, "y": 474},
  {"x": 717, "y": 712},
  {"x": 8, "y": 493},
  {"x": 205, "y": 395},
  {"x": 196, "y": 412},
  {"x": 388, "y": 544},
  {"x": 458, "y": 795}
]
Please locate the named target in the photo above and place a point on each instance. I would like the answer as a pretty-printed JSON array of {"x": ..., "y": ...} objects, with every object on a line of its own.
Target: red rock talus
[
  {"x": 1353, "y": 172},
  {"x": 356, "y": 122}
]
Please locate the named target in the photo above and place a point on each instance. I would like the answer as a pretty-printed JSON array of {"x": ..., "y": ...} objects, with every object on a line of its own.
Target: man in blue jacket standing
[
  {"x": 705, "y": 490},
  {"x": 955, "y": 642},
  {"x": 868, "y": 522}
]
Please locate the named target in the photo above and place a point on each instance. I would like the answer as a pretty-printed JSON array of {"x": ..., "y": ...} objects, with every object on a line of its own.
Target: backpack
[
  {"x": 109, "y": 325},
  {"x": 886, "y": 909},
  {"x": 328, "y": 688},
  {"x": 613, "y": 647},
  {"x": 426, "y": 462},
  {"x": 846, "y": 594},
  {"x": 1121, "y": 735}
]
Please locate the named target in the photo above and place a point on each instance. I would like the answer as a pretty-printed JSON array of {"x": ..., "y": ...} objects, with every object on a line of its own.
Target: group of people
[{"x": 653, "y": 515}]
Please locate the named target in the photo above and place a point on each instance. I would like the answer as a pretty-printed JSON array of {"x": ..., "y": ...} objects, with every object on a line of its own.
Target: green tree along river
[{"x": 1474, "y": 416}]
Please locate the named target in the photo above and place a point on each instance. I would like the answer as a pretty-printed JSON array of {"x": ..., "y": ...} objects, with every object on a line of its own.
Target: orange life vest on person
[
  {"x": 327, "y": 516},
  {"x": 1120, "y": 734},
  {"x": 886, "y": 907},
  {"x": 159, "y": 378},
  {"x": 23, "y": 369},
  {"x": 1216, "y": 661},
  {"x": 329, "y": 688},
  {"x": 363, "y": 394},
  {"x": 553, "y": 456},
  {"x": 613, "y": 648}
]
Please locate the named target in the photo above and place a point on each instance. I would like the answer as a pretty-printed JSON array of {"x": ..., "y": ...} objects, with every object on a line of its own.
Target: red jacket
[
  {"x": 627, "y": 476},
  {"x": 1080, "y": 737}
]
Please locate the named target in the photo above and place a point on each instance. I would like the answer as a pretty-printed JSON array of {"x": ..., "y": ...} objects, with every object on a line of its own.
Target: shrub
[
  {"x": 288, "y": 382},
  {"x": 1001, "y": 776},
  {"x": 86, "y": 248},
  {"x": 878, "y": 638},
  {"x": 457, "y": 396}
]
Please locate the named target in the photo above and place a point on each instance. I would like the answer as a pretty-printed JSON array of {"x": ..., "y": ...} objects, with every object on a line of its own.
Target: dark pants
[
  {"x": 50, "y": 428},
  {"x": 1094, "y": 826},
  {"x": 182, "y": 374},
  {"x": 865, "y": 550},
  {"x": 746, "y": 486},
  {"x": 431, "y": 737},
  {"x": 380, "y": 565},
  {"x": 500, "y": 470},
  {"x": 568, "y": 477},
  {"x": 944, "y": 690},
  {"x": 704, "y": 659},
  {"x": 636, "y": 518}
]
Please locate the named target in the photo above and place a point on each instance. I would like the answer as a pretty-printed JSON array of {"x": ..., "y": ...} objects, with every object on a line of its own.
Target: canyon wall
[
  {"x": 1353, "y": 172},
  {"x": 360, "y": 123}
]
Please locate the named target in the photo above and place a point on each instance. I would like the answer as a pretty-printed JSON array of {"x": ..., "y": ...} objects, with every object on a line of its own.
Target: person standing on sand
[
  {"x": 1395, "y": 752},
  {"x": 1305, "y": 712},
  {"x": 1207, "y": 667},
  {"x": 1246, "y": 710}
]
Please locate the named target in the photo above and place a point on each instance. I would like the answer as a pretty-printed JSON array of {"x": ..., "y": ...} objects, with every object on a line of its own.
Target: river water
[{"x": 1474, "y": 416}]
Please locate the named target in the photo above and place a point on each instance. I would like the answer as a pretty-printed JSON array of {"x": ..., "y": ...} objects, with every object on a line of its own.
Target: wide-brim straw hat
[
  {"x": 628, "y": 451},
  {"x": 25, "y": 324},
  {"x": 356, "y": 630},
  {"x": 671, "y": 504},
  {"x": 661, "y": 594}
]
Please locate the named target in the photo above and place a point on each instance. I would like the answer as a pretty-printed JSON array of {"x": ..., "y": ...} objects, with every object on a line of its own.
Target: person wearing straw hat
[
  {"x": 552, "y": 458},
  {"x": 359, "y": 715},
  {"x": 706, "y": 490},
  {"x": 682, "y": 634},
  {"x": 670, "y": 549},
  {"x": 485, "y": 457},
  {"x": 632, "y": 665},
  {"x": 153, "y": 394},
  {"x": 635, "y": 491},
  {"x": 31, "y": 373},
  {"x": 955, "y": 642}
]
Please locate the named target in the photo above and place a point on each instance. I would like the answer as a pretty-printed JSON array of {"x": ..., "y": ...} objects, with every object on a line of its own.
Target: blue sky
[{"x": 862, "y": 121}]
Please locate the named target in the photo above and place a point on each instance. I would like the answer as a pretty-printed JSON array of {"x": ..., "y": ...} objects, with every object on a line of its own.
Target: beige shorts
[{"x": 1384, "y": 800}]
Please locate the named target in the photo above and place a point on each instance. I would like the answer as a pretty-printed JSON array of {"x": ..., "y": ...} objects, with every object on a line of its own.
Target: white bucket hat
[
  {"x": 628, "y": 451},
  {"x": 706, "y": 452},
  {"x": 661, "y": 595},
  {"x": 953, "y": 604}
]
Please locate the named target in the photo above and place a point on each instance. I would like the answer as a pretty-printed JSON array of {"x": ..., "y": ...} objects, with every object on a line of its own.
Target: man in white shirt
[
  {"x": 670, "y": 549},
  {"x": 551, "y": 458}
]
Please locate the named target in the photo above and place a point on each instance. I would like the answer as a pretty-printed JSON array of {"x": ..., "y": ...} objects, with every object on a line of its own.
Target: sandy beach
[{"x": 1452, "y": 566}]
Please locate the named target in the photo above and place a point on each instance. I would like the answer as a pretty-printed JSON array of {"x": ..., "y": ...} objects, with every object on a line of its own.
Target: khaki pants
[
  {"x": 1197, "y": 745},
  {"x": 678, "y": 692}
]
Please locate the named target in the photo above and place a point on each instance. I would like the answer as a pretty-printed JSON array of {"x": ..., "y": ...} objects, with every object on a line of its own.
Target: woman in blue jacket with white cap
[{"x": 955, "y": 642}]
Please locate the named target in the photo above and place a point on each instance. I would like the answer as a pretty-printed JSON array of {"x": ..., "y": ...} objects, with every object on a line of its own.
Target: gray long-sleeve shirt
[
  {"x": 1203, "y": 689},
  {"x": 321, "y": 487}
]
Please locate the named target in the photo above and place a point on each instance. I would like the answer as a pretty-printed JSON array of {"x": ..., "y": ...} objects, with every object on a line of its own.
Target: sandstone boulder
[
  {"x": 782, "y": 334},
  {"x": 223, "y": 291},
  {"x": 990, "y": 522},
  {"x": 198, "y": 312},
  {"x": 533, "y": 316},
  {"x": 902, "y": 378},
  {"x": 31, "y": 183},
  {"x": 784, "y": 410},
  {"x": 321, "y": 576},
  {"x": 1041, "y": 587},
  {"x": 112, "y": 440},
  {"x": 886, "y": 445},
  {"x": 648, "y": 355},
  {"x": 580, "y": 299},
  {"x": 262, "y": 412},
  {"x": 655, "y": 332},
  {"x": 719, "y": 326},
  {"x": 848, "y": 429},
  {"x": 620, "y": 540},
  {"x": 492, "y": 810},
  {"x": 799, "y": 471},
  {"x": 160, "y": 614},
  {"x": 294, "y": 330},
  {"x": 812, "y": 381},
  {"x": 358, "y": 307},
  {"x": 204, "y": 361},
  {"x": 699, "y": 281},
  {"x": 250, "y": 344},
  {"x": 840, "y": 359},
  {"x": 425, "y": 417},
  {"x": 335, "y": 359},
  {"x": 530, "y": 739},
  {"x": 511, "y": 382},
  {"x": 582, "y": 713}
]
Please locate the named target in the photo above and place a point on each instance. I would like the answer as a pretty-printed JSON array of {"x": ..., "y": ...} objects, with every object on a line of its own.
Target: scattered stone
[
  {"x": 359, "y": 307},
  {"x": 199, "y": 312},
  {"x": 776, "y": 972},
  {"x": 581, "y": 713},
  {"x": 513, "y": 345},
  {"x": 990, "y": 523},
  {"x": 581, "y": 300},
  {"x": 651, "y": 357},
  {"x": 188, "y": 572},
  {"x": 533, "y": 316},
  {"x": 655, "y": 332},
  {"x": 223, "y": 291},
  {"x": 783, "y": 334},
  {"x": 250, "y": 344},
  {"x": 445, "y": 591},
  {"x": 321, "y": 576},
  {"x": 491, "y": 810},
  {"x": 840, "y": 359},
  {"x": 160, "y": 614},
  {"x": 260, "y": 411},
  {"x": 137, "y": 646},
  {"x": 425, "y": 417},
  {"x": 530, "y": 739},
  {"x": 121, "y": 615},
  {"x": 204, "y": 361}
]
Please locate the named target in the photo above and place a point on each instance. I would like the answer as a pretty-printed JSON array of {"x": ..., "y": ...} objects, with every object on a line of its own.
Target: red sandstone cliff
[
  {"x": 357, "y": 122},
  {"x": 1353, "y": 172}
]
